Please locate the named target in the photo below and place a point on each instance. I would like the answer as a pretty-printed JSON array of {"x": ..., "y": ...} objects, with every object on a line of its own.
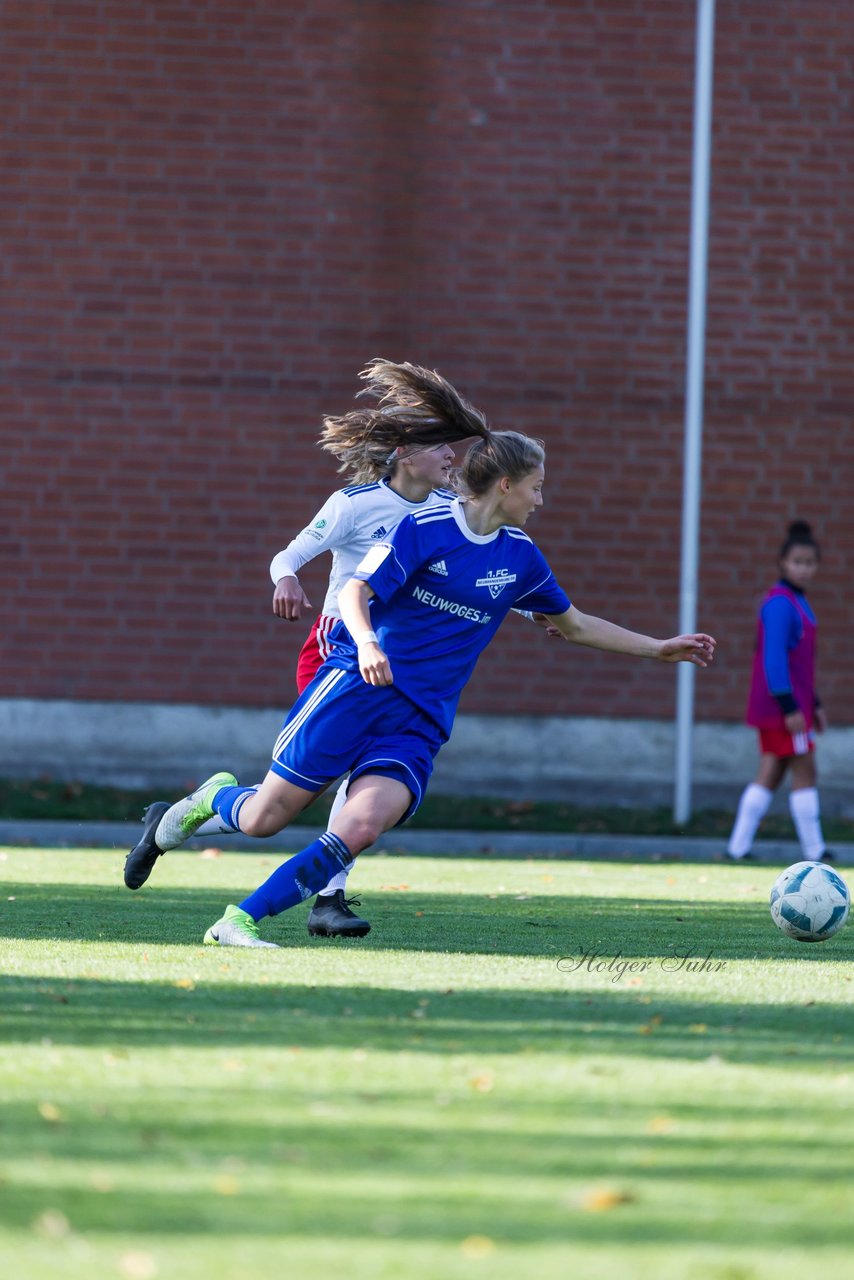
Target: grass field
[{"x": 457, "y": 1095}]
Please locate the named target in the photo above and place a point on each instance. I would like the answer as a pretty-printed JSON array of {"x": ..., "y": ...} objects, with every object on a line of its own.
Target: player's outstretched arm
[
  {"x": 353, "y": 603},
  {"x": 598, "y": 633}
]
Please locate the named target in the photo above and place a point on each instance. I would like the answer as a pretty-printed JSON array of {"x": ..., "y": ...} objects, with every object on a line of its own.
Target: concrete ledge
[
  {"x": 578, "y": 760},
  {"x": 121, "y": 836}
]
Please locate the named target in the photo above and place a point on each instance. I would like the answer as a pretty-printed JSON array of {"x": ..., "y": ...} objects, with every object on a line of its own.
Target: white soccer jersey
[{"x": 349, "y": 523}]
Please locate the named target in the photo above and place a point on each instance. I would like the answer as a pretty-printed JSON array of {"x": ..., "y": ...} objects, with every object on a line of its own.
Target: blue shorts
[{"x": 339, "y": 724}]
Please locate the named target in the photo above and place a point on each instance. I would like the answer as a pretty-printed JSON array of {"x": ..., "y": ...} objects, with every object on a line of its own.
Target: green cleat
[
  {"x": 187, "y": 815},
  {"x": 235, "y": 929}
]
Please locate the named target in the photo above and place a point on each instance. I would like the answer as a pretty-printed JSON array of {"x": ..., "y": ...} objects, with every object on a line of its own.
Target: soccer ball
[{"x": 809, "y": 902}]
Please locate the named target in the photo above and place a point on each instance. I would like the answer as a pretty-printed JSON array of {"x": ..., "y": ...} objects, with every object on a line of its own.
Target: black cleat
[
  {"x": 331, "y": 917},
  {"x": 827, "y": 856},
  {"x": 140, "y": 861},
  {"x": 739, "y": 857}
]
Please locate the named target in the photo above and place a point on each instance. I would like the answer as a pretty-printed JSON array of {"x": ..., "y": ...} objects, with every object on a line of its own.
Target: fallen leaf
[
  {"x": 51, "y": 1224},
  {"x": 50, "y": 1112},
  {"x": 483, "y": 1083},
  {"x": 655, "y": 1021},
  {"x": 184, "y": 984},
  {"x": 477, "y": 1246},
  {"x": 225, "y": 1185},
  {"x": 602, "y": 1199},
  {"x": 661, "y": 1124},
  {"x": 137, "y": 1266},
  {"x": 210, "y": 853}
]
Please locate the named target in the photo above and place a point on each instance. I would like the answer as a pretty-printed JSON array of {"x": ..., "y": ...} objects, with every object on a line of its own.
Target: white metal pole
[{"x": 704, "y": 62}]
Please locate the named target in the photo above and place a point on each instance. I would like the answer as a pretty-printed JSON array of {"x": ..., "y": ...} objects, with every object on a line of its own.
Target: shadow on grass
[
  {"x": 427, "y": 1209},
  {"x": 554, "y": 925},
  {"x": 443, "y": 1179},
  {"x": 565, "y": 1146},
  {"x": 265, "y": 1012}
]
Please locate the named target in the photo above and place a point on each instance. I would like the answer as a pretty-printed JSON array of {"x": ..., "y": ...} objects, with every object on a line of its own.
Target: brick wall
[{"x": 213, "y": 213}]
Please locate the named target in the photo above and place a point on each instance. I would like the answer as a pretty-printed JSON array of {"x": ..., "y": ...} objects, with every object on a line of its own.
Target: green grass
[
  {"x": 450, "y": 1097},
  {"x": 46, "y": 799}
]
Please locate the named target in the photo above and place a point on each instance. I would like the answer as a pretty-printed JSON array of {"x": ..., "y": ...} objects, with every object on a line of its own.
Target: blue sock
[
  {"x": 302, "y": 875},
  {"x": 228, "y": 802}
]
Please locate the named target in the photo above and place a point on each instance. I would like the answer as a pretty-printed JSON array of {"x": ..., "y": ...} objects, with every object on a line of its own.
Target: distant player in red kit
[{"x": 783, "y": 704}]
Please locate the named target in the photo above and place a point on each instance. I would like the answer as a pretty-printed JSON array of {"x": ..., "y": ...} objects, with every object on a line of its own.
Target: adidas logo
[
  {"x": 379, "y": 533},
  {"x": 438, "y": 566}
]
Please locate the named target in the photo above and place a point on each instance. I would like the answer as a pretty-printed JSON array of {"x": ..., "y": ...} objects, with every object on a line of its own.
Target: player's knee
[
  {"x": 260, "y": 823},
  {"x": 361, "y": 833}
]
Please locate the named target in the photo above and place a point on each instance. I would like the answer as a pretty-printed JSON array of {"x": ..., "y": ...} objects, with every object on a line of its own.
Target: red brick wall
[{"x": 213, "y": 213}]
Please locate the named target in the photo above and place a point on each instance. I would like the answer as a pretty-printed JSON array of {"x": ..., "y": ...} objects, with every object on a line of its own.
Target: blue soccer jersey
[{"x": 442, "y": 591}]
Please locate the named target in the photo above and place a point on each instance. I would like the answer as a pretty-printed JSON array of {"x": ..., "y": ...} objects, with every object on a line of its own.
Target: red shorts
[
  {"x": 315, "y": 651},
  {"x": 781, "y": 743}
]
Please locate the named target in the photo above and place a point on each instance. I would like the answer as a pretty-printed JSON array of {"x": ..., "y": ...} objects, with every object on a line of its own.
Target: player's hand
[
  {"x": 550, "y": 629},
  {"x": 820, "y": 720},
  {"x": 289, "y": 599},
  {"x": 374, "y": 665},
  {"x": 698, "y": 648},
  {"x": 795, "y": 722}
]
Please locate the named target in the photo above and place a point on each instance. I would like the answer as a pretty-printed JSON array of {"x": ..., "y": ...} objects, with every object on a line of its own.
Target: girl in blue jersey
[
  {"x": 415, "y": 618},
  {"x": 398, "y": 457},
  {"x": 783, "y": 705}
]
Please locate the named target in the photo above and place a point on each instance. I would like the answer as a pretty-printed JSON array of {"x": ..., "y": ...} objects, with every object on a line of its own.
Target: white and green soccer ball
[{"x": 809, "y": 902}]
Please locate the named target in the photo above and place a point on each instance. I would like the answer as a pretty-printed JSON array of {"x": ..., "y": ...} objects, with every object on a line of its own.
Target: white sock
[
  {"x": 215, "y": 826},
  {"x": 752, "y": 808},
  {"x": 338, "y": 881},
  {"x": 804, "y": 807}
]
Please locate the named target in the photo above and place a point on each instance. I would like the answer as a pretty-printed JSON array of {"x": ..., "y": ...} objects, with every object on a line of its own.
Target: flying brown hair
[{"x": 415, "y": 407}]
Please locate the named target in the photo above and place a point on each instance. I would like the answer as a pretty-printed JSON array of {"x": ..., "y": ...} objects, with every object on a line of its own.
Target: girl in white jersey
[
  {"x": 349, "y": 523},
  {"x": 394, "y": 472},
  {"x": 415, "y": 617}
]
